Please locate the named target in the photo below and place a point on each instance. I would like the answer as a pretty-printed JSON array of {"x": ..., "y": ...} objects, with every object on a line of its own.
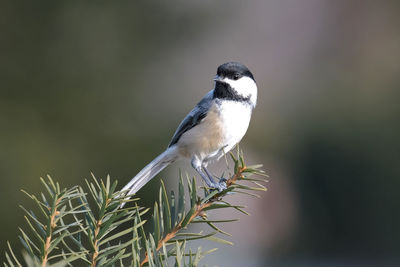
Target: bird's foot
[{"x": 221, "y": 185}]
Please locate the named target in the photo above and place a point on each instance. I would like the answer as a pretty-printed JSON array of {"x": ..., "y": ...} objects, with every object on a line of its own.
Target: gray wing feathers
[
  {"x": 194, "y": 117},
  {"x": 170, "y": 155}
]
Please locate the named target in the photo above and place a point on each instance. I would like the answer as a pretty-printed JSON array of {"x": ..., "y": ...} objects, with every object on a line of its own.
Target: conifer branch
[
  {"x": 74, "y": 229},
  {"x": 201, "y": 205}
]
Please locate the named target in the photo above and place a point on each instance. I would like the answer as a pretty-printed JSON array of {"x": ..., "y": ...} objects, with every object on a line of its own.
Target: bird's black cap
[{"x": 234, "y": 71}]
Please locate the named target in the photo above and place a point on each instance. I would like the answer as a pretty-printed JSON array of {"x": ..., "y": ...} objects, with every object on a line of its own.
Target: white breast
[
  {"x": 235, "y": 119},
  {"x": 223, "y": 127}
]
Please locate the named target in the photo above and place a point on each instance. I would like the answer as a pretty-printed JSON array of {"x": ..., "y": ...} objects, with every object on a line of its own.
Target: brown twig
[
  {"x": 199, "y": 210},
  {"x": 48, "y": 239},
  {"x": 96, "y": 247},
  {"x": 96, "y": 241}
]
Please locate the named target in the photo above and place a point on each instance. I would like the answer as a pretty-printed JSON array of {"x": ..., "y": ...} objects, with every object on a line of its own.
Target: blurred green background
[{"x": 102, "y": 86}]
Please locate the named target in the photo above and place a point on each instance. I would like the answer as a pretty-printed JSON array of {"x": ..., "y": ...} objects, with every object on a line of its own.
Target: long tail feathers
[{"x": 151, "y": 170}]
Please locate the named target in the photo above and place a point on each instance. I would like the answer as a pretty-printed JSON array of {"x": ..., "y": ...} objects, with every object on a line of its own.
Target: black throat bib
[{"x": 225, "y": 91}]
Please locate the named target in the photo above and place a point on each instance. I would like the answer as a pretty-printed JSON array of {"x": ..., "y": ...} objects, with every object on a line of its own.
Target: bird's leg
[
  {"x": 196, "y": 164},
  {"x": 208, "y": 173},
  {"x": 220, "y": 185},
  {"x": 202, "y": 170}
]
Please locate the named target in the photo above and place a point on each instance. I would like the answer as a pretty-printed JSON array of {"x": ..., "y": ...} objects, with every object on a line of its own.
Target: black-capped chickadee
[{"x": 216, "y": 124}]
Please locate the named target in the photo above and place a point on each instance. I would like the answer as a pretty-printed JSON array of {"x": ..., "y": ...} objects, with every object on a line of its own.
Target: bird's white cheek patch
[{"x": 245, "y": 87}]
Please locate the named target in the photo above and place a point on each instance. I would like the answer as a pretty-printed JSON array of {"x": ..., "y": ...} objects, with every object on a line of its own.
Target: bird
[{"x": 210, "y": 130}]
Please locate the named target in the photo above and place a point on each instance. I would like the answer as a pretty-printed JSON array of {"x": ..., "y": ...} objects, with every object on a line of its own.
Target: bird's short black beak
[{"x": 218, "y": 79}]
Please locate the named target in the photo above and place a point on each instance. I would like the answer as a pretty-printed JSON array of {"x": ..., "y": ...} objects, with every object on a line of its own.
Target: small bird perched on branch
[{"x": 215, "y": 125}]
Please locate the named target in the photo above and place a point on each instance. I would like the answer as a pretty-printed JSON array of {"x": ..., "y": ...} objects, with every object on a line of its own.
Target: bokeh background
[{"x": 101, "y": 87}]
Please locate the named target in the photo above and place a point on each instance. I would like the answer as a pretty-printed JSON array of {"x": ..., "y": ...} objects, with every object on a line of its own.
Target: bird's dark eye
[{"x": 236, "y": 76}]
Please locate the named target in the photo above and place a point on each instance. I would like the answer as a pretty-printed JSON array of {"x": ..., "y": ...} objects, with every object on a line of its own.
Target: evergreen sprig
[
  {"x": 170, "y": 219},
  {"x": 48, "y": 229},
  {"x": 89, "y": 227}
]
